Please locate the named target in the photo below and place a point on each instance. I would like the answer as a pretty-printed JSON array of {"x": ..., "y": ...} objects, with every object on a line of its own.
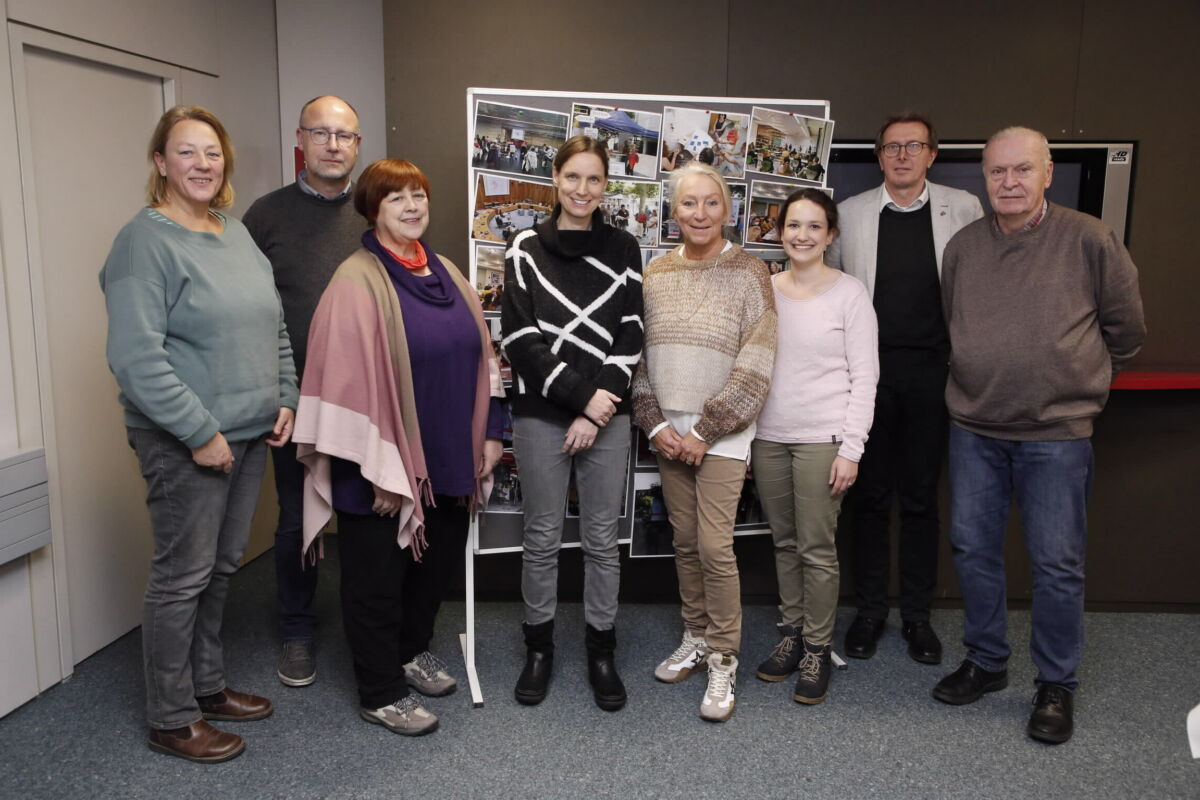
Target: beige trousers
[{"x": 701, "y": 504}]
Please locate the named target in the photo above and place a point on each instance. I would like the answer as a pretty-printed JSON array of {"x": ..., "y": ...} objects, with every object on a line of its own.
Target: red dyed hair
[{"x": 385, "y": 176}]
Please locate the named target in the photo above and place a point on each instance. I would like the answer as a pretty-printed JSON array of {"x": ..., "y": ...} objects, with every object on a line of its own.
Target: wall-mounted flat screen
[{"x": 1093, "y": 177}]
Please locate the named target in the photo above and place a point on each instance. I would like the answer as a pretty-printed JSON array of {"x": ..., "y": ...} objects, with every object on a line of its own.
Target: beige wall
[{"x": 342, "y": 55}]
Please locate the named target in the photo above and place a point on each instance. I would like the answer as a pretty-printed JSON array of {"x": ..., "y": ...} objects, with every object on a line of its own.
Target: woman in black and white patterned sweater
[{"x": 572, "y": 326}]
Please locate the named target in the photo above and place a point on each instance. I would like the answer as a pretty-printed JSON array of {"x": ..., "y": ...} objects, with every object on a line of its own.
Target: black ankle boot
[
  {"x": 539, "y": 660},
  {"x": 602, "y": 669}
]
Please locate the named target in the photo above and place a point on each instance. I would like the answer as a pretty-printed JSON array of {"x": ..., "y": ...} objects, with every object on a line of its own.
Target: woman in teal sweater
[{"x": 197, "y": 343}]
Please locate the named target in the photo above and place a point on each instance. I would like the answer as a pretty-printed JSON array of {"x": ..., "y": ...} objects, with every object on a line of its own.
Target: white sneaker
[
  {"x": 717, "y": 705},
  {"x": 686, "y": 659},
  {"x": 405, "y": 716}
]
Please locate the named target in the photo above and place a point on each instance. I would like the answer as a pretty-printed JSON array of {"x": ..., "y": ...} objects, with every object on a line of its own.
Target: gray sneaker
[
  {"x": 297, "y": 663},
  {"x": 406, "y": 716},
  {"x": 687, "y": 658},
  {"x": 427, "y": 674},
  {"x": 717, "y": 705}
]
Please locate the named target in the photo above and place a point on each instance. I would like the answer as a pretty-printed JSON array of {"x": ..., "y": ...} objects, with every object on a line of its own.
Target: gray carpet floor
[{"x": 878, "y": 735}]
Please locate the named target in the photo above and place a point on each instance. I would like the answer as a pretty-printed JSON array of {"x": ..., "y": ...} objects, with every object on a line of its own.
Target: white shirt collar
[{"x": 886, "y": 201}]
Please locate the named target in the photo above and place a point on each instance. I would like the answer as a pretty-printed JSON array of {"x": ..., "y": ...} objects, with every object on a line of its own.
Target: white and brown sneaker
[
  {"x": 406, "y": 716},
  {"x": 428, "y": 675},
  {"x": 717, "y": 705},
  {"x": 688, "y": 657}
]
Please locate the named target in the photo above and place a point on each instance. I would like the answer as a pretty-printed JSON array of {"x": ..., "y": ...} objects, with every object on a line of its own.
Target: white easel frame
[{"x": 467, "y": 638}]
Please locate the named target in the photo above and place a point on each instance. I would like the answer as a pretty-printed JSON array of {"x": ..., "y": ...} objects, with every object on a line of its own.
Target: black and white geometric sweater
[{"x": 571, "y": 316}]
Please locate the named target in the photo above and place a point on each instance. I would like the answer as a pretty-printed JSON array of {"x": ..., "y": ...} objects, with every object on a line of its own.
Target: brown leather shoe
[
  {"x": 232, "y": 706},
  {"x": 198, "y": 742}
]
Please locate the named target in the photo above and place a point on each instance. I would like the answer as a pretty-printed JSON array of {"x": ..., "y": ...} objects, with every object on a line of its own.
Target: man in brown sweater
[{"x": 1043, "y": 309}]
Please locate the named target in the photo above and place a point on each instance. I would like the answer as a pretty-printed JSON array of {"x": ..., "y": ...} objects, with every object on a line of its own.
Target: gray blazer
[{"x": 858, "y": 219}]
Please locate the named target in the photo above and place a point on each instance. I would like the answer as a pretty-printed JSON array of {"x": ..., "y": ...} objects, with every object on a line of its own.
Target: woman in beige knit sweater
[{"x": 706, "y": 366}]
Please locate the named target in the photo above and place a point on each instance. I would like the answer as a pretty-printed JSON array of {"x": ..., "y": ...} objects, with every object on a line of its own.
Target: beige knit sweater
[{"x": 710, "y": 341}]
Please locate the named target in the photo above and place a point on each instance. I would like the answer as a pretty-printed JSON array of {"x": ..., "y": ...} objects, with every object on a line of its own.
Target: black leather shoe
[
  {"x": 968, "y": 683},
  {"x": 534, "y": 682},
  {"x": 607, "y": 688},
  {"x": 1052, "y": 719},
  {"x": 863, "y": 634},
  {"x": 923, "y": 643}
]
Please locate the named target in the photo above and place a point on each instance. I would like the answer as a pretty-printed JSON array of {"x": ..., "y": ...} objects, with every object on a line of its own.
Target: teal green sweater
[{"x": 196, "y": 337}]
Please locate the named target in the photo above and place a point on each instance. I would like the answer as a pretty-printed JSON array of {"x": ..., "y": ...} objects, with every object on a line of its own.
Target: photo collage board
[{"x": 765, "y": 149}]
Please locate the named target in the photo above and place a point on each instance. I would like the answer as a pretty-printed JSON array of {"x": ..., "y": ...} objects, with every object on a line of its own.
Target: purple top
[{"x": 444, "y": 352}]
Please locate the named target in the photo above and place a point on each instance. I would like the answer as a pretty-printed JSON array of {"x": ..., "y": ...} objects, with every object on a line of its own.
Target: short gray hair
[
  {"x": 694, "y": 169},
  {"x": 1013, "y": 130}
]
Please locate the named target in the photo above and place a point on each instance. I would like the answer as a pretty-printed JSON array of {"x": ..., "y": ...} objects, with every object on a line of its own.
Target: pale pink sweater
[{"x": 826, "y": 368}]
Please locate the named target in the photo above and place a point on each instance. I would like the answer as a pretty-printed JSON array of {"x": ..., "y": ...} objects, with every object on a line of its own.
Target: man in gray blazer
[{"x": 892, "y": 239}]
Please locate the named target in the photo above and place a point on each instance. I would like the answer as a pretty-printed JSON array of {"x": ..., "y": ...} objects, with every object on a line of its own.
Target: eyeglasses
[
  {"x": 321, "y": 136},
  {"x": 892, "y": 149}
]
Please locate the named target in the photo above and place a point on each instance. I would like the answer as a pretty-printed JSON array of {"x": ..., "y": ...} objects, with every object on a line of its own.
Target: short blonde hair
[
  {"x": 694, "y": 169},
  {"x": 156, "y": 186}
]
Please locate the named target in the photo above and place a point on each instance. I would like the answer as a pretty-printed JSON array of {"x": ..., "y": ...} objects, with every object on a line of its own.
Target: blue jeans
[
  {"x": 295, "y": 581},
  {"x": 200, "y": 518},
  {"x": 1051, "y": 481}
]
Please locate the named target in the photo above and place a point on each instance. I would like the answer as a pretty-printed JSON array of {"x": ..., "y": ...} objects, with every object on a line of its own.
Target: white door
[{"x": 84, "y": 117}]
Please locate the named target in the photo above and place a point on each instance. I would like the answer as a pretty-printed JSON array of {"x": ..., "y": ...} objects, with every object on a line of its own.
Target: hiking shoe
[
  {"x": 815, "y": 667},
  {"x": 686, "y": 659},
  {"x": 406, "y": 716},
  {"x": 784, "y": 658},
  {"x": 427, "y": 674},
  {"x": 717, "y": 705},
  {"x": 297, "y": 663}
]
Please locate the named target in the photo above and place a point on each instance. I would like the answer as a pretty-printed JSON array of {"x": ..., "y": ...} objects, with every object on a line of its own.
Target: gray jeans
[
  {"x": 600, "y": 479},
  {"x": 200, "y": 519}
]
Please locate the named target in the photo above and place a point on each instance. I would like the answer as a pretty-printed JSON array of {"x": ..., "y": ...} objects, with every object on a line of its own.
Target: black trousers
[
  {"x": 903, "y": 461},
  {"x": 296, "y": 580},
  {"x": 390, "y": 601}
]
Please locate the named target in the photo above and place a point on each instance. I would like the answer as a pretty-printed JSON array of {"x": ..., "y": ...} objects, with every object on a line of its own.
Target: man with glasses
[
  {"x": 1043, "y": 308},
  {"x": 892, "y": 238},
  {"x": 306, "y": 229}
]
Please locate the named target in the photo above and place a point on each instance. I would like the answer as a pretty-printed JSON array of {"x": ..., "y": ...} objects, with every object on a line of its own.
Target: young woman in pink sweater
[{"x": 811, "y": 433}]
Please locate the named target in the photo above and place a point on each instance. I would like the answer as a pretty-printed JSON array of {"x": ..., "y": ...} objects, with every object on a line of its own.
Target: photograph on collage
[
  {"x": 789, "y": 145},
  {"x": 573, "y": 497},
  {"x": 489, "y": 276},
  {"x": 775, "y": 259},
  {"x": 633, "y": 206},
  {"x": 630, "y": 136},
  {"x": 714, "y": 138},
  {"x": 766, "y": 198},
  {"x": 506, "y": 491},
  {"x": 506, "y": 374},
  {"x": 651, "y": 534},
  {"x": 505, "y": 205},
  {"x": 515, "y": 139},
  {"x": 749, "y": 514}
]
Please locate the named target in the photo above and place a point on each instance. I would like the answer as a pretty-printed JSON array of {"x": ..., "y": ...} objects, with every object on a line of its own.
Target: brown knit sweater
[
  {"x": 710, "y": 341},
  {"x": 1040, "y": 322}
]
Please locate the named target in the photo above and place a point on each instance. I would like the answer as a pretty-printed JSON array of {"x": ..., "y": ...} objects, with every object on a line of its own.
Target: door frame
[{"x": 29, "y": 376}]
